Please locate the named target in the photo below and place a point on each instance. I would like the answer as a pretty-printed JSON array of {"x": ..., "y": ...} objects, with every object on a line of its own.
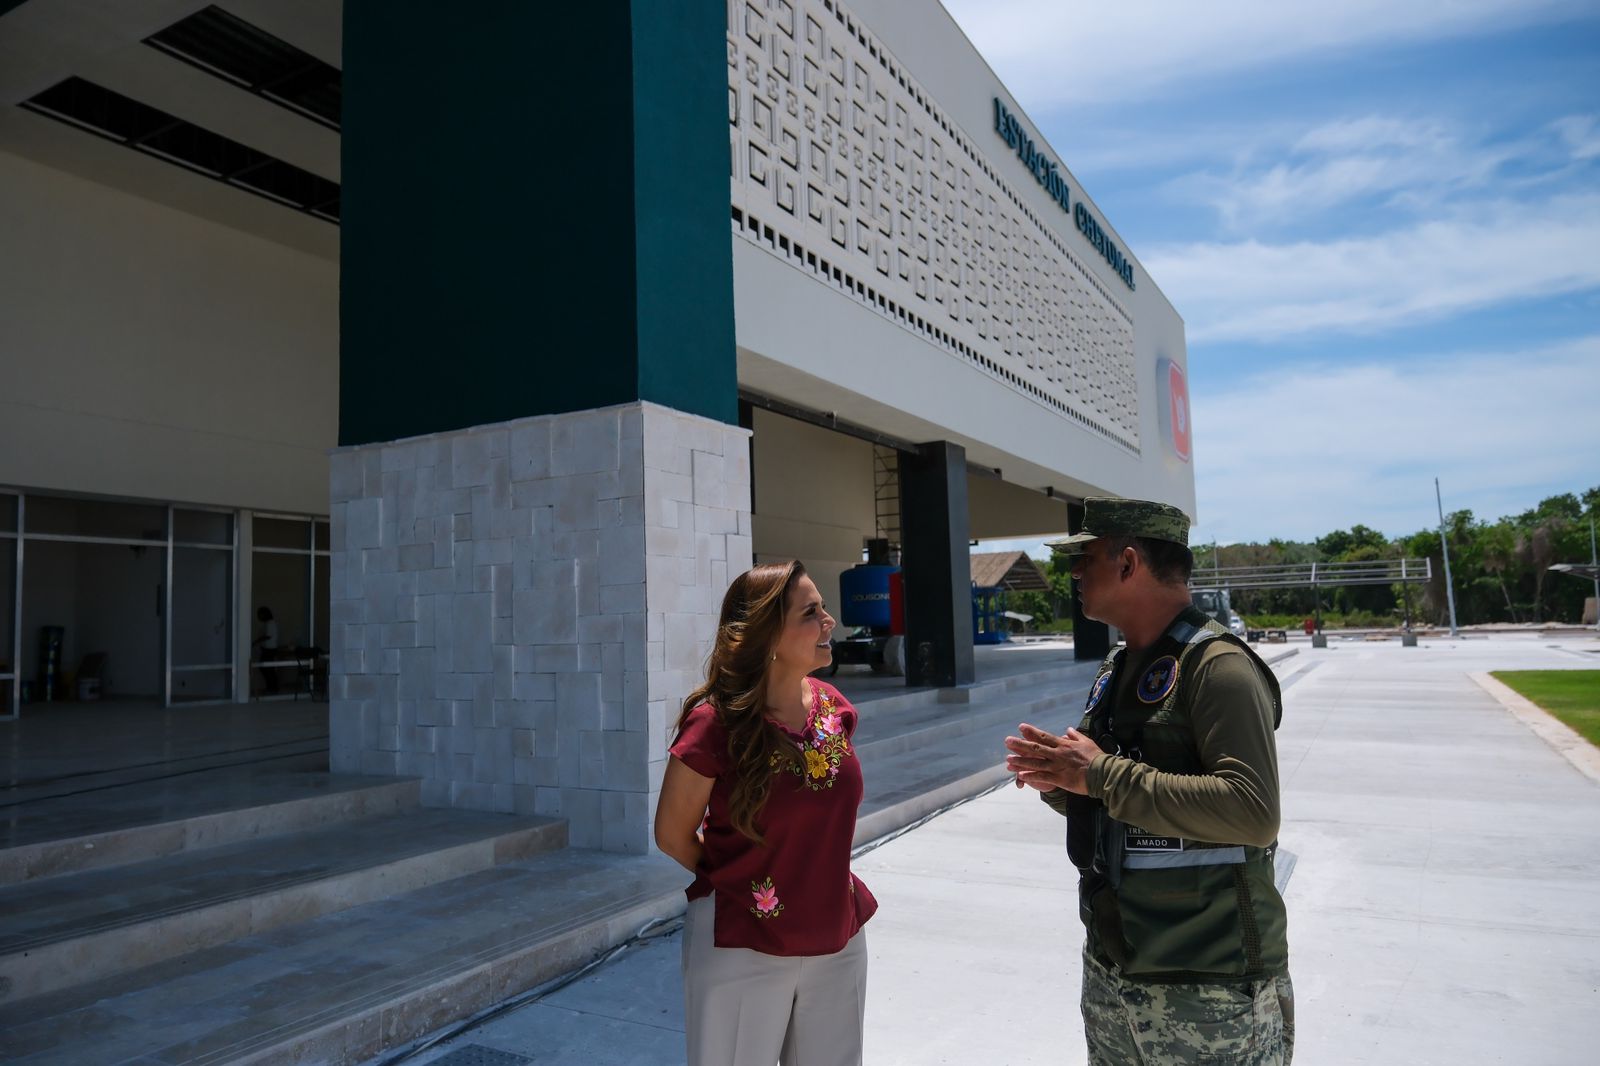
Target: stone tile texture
[{"x": 521, "y": 608}]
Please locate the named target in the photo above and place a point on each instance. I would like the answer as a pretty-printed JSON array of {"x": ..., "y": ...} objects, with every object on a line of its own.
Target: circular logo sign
[{"x": 1157, "y": 681}]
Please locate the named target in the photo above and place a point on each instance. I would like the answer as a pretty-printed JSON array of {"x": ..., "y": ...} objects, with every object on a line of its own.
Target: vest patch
[
  {"x": 1140, "y": 842},
  {"x": 1097, "y": 690},
  {"x": 1157, "y": 681}
]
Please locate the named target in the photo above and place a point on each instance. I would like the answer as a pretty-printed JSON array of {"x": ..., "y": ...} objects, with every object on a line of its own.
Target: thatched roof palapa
[{"x": 1008, "y": 570}]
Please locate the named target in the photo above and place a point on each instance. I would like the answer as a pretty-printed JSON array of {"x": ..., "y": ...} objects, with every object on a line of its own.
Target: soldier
[{"x": 1170, "y": 789}]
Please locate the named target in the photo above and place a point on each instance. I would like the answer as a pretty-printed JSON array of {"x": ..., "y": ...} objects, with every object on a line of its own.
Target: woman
[{"x": 759, "y": 802}]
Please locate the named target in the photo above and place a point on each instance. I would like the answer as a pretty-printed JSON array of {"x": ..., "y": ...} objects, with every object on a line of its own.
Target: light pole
[
  {"x": 1595, "y": 561},
  {"x": 1444, "y": 544}
]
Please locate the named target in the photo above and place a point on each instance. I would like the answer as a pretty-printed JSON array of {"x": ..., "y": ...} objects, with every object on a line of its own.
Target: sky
[{"x": 1380, "y": 223}]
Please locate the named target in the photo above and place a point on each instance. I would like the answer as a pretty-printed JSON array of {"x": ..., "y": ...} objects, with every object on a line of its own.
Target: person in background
[
  {"x": 1170, "y": 788},
  {"x": 266, "y": 649},
  {"x": 759, "y": 802}
]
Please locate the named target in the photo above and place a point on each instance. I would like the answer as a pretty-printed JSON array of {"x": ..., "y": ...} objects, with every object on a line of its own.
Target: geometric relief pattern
[{"x": 840, "y": 163}]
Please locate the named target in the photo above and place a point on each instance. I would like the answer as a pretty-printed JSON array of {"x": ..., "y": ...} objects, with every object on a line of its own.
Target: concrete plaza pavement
[{"x": 1444, "y": 904}]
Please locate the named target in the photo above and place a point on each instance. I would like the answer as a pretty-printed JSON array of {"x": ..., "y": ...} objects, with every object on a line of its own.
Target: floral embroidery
[
  {"x": 827, "y": 748},
  {"x": 816, "y": 763},
  {"x": 767, "y": 905}
]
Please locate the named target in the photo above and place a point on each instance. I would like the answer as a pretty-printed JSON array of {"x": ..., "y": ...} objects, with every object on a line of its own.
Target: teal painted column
[
  {"x": 683, "y": 250},
  {"x": 535, "y": 213}
]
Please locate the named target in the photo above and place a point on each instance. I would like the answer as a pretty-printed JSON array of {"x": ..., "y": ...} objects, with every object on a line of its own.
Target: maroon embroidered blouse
[{"x": 795, "y": 895}]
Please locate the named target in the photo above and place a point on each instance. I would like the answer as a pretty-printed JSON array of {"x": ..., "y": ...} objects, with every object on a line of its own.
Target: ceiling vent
[
  {"x": 251, "y": 58},
  {"x": 128, "y": 122}
]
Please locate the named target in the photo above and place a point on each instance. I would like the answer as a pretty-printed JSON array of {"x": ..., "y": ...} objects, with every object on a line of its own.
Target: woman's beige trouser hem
[{"x": 744, "y": 1008}]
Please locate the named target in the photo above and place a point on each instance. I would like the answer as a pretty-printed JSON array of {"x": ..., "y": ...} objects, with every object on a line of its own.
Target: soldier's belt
[{"x": 1147, "y": 851}]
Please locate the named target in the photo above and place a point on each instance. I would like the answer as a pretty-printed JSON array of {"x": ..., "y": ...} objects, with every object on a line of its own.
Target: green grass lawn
[{"x": 1571, "y": 695}]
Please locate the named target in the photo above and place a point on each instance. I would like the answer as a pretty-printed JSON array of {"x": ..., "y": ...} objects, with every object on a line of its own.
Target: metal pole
[
  {"x": 1317, "y": 639},
  {"x": 1595, "y": 561},
  {"x": 1444, "y": 545},
  {"x": 16, "y": 618},
  {"x": 1405, "y": 591},
  {"x": 166, "y": 621}
]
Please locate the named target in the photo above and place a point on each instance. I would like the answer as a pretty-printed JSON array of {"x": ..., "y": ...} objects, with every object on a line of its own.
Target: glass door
[
  {"x": 200, "y": 615},
  {"x": 10, "y": 605},
  {"x": 289, "y": 606}
]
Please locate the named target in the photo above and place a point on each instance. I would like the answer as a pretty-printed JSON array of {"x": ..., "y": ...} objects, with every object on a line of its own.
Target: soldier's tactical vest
[{"x": 1163, "y": 908}]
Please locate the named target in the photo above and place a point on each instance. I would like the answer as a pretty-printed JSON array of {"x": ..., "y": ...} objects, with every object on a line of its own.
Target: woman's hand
[{"x": 679, "y": 812}]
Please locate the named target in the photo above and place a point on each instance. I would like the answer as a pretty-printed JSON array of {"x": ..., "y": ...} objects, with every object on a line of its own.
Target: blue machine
[
  {"x": 865, "y": 610},
  {"x": 864, "y": 591}
]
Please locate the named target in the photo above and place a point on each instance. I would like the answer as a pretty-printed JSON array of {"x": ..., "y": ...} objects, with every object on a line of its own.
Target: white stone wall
[
  {"x": 155, "y": 355},
  {"x": 518, "y": 609}
]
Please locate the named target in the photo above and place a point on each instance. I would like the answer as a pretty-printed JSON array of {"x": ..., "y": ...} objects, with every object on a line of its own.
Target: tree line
[{"x": 1500, "y": 571}]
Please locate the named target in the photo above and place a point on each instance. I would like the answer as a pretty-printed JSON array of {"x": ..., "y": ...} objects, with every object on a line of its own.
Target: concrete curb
[
  {"x": 1547, "y": 727},
  {"x": 1282, "y": 655}
]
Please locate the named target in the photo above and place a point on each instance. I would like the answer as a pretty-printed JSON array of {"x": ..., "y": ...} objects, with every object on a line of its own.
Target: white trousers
[{"x": 745, "y": 1008}]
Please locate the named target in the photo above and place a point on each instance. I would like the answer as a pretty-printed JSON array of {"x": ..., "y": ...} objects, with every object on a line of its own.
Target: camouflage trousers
[{"x": 1132, "y": 1023}]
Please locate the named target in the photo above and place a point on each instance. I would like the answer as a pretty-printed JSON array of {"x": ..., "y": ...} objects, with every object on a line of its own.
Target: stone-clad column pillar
[
  {"x": 519, "y": 609},
  {"x": 541, "y": 493}
]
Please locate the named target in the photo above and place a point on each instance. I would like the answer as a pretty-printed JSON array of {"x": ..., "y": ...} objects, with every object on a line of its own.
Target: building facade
[{"x": 482, "y": 345}]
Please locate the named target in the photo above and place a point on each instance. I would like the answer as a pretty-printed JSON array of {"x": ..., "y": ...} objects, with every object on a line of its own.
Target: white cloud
[
  {"x": 1412, "y": 165},
  {"x": 1496, "y": 253},
  {"x": 1051, "y": 53},
  {"x": 1369, "y": 132},
  {"x": 1343, "y": 161},
  {"x": 1581, "y": 133},
  {"x": 1300, "y": 453}
]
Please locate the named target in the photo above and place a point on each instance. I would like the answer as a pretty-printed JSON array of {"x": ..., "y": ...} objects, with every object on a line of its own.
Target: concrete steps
[
  {"x": 314, "y": 918},
  {"x": 342, "y": 987},
  {"x": 117, "y": 892},
  {"x": 307, "y": 754},
  {"x": 62, "y": 931},
  {"x": 137, "y": 822}
]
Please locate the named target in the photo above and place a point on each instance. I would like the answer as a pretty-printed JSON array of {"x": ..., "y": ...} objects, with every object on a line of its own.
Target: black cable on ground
[{"x": 652, "y": 930}]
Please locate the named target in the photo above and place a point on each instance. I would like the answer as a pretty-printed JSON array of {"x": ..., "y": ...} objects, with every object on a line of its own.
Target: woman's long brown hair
[{"x": 736, "y": 686}]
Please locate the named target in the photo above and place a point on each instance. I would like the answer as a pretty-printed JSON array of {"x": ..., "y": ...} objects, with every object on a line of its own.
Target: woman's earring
[{"x": 774, "y": 656}]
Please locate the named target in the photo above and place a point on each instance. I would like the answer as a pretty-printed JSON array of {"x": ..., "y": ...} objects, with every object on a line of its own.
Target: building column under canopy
[
  {"x": 935, "y": 562},
  {"x": 541, "y": 490}
]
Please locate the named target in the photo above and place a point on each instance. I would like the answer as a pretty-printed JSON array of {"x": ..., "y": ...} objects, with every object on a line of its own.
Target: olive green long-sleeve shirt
[{"x": 1236, "y": 800}]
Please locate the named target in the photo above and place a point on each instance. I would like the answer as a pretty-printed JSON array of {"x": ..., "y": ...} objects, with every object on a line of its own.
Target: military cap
[{"x": 1107, "y": 516}]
